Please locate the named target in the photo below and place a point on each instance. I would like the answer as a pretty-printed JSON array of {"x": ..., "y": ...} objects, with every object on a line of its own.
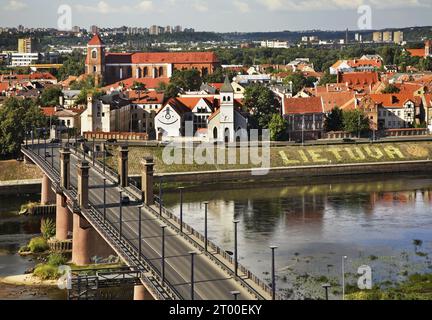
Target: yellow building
[
  {"x": 398, "y": 37},
  {"x": 25, "y": 45},
  {"x": 387, "y": 36},
  {"x": 377, "y": 37}
]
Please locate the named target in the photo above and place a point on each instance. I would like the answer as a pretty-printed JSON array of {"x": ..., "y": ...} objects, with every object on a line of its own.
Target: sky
[{"x": 222, "y": 15}]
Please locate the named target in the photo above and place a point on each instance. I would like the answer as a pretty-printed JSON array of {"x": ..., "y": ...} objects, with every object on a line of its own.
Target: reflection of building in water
[
  {"x": 308, "y": 208},
  {"x": 404, "y": 197}
]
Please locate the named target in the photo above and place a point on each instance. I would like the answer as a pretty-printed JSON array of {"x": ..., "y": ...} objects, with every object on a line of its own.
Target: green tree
[
  {"x": 426, "y": 64},
  {"x": 50, "y": 96},
  {"x": 16, "y": 116},
  {"x": 355, "y": 121},
  {"x": 187, "y": 80},
  {"x": 73, "y": 65},
  {"x": 278, "y": 128},
  {"x": 171, "y": 91},
  {"x": 391, "y": 88},
  {"x": 328, "y": 78},
  {"x": 334, "y": 120},
  {"x": 298, "y": 81},
  {"x": 261, "y": 103},
  {"x": 139, "y": 86}
]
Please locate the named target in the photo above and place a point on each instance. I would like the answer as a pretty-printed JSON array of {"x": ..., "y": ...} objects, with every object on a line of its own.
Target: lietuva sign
[{"x": 353, "y": 154}]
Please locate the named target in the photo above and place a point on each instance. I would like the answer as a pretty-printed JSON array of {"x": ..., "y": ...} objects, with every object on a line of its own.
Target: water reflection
[{"x": 318, "y": 221}]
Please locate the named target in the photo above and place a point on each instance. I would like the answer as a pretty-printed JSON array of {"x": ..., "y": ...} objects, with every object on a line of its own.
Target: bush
[
  {"x": 23, "y": 249},
  {"x": 38, "y": 244},
  {"x": 56, "y": 259},
  {"x": 48, "y": 228},
  {"x": 46, "y": 272}
]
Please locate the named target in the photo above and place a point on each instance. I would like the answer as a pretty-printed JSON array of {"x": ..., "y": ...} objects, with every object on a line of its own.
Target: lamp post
[
  {"x": 121, "y": 213},
  {"x": 181, "y": 209},
  {"x": 139, "y": 232},
  {"x": 235, "y": 294},
  {"x": 52, "y": 156},
  {"x": 104, "y": 158},
  {"x": 160, "y": 196},
  {"x": 163, "y": 227},
  {"x": 38, "y": 136},
  {"x": 273, "y": 248},
  {"x": 192, "y": 254},
  {"x": 236, "y": 222},
  {"x": 93, "y": 151},
  {"x": 206, "y": 225},
  {"x": 32, "y": 136},
  {"x": 104, "y": 200},
  {"x": 344, "y": 258},
  {"x": 326, "y": 286},
  {"x": 45, "y": 146}
]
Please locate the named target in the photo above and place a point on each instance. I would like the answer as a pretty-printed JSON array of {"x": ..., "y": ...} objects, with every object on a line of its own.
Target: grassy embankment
[
  {"x": 17, "y": 170},
  {"x": 287, "y": 156}
]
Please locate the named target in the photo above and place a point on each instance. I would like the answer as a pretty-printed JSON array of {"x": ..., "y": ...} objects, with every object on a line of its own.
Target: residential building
[
  {"x": 356, "y": 65},
  {"x": 69, "y": 98},
  {"x": 275, "y": 44},
  {"x": 387, "y": 36},
  {"x": 24, "y": 59},
  {"x": 398, "y": 37},
  {"x": 377, "y": 36},
  {"x": 25, "y": 45},
  {"x": 424, "y": 52}
]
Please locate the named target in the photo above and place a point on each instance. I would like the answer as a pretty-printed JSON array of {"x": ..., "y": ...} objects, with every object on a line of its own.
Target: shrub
[
  {"x": 23, "y": 249},
  {"x": 56, "y": 259},
  {"x": 48, "y": 228},
  {"x": 46, "y": 272},
  {"x": 38, "y": 244}
]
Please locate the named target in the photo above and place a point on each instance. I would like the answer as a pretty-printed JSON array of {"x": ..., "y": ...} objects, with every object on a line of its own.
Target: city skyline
[{"x": 203, "y": 15}]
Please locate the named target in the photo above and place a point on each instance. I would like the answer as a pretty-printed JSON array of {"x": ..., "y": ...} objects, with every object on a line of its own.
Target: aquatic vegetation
[{"x": 38, "y": 244}]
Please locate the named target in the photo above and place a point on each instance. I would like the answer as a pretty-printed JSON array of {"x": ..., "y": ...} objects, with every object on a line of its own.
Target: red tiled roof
[
  {"x": 150, "y": 83},
  {"x": 152, "y": 97},
  {"x": 359, "y": 78},
  {"x": 417, "y": 52},
  {"x": 96, "y": 41},
  {"x": 162, "y": 57},
  {"x": 343, "y": 100},
  {"x": 395, "y": 100},
  {"x": 48, "y": 111},
  {"x": 303, "y": 105}
]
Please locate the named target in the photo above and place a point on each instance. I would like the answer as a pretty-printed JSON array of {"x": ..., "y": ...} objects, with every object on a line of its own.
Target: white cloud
[
  {"x": 315, "y": 5},
  {"x": 15, "y": 5},
  {"x": 104, "y": 7},
  {"x": 242, "y": 6},
  {"x": 200, "y": 6}
]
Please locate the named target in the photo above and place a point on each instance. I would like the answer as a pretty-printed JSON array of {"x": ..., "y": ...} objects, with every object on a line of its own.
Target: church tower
[
  {"x": 227, "y": 114},
  {"x": 428, "y": 48},
  {"x": 95, "y": 62}
]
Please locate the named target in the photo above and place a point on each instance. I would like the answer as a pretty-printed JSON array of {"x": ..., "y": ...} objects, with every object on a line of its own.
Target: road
[{"x": 211, "y": 282}]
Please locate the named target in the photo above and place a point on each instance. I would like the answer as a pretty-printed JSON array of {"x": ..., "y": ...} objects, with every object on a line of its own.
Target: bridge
[{"x": 174, "y": 261}]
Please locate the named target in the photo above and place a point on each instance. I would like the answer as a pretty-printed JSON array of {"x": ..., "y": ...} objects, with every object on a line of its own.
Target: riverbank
[{"x": 27, "y": 280}]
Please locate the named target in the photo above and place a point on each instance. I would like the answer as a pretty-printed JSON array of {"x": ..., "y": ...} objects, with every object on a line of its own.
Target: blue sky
[{"x": 220, "y": 15}]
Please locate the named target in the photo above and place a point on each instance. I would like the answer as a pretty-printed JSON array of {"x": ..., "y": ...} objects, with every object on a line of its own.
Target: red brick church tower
[{"x": 95, "y": 62}]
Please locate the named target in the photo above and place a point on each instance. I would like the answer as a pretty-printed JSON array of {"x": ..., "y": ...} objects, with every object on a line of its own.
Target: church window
[{"x": 94, "y": 54}]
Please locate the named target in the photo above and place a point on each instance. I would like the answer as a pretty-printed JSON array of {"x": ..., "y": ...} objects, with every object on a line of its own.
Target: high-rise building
[
  {"x": 25, "y": 45},
  {"x": 178, "y": 29},
  {"x": 387, "y": 36},
  {"x": 378, "y": 36},
  {"x": 398, "y": 37},
  {"x": 76, "y": 29},
  {"x": 154, "y": 30},
  {"x": 94, "y": 29},
  {"x": 168, "y": 29}
]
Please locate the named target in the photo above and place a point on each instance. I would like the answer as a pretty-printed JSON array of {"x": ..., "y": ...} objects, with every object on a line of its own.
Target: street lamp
[
  {"x": 236, "y": 222},
  {"x": 163, "y": 227},
  {"x": 104, "y": 158},
  {"x": 235, "y": 294},
  {"x": 121, "y": 213},
  {"x": 93, "y": 151},
  {"x": 104, "y": 200},
  {"x": 192, "y": 254},
  {"x": 52, "y": 156},
  {"x": 160, "y": 196},
  {"x": 181, "y": 208},
  {"x": 344, "y": 258},
  {"x": 139, "y": 232},
  {"x": 45, "y": 146},
  {"x": 206, "y": 224},
  {"x": 326, "y": 286},
  {"x": 273, "y": 248}
]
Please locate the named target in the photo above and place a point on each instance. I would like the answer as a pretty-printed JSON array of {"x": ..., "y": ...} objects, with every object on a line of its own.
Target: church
[{"x": 108, "y": 68}]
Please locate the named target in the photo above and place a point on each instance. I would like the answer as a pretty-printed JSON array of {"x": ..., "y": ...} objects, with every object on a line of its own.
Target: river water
[{"x": 384, "y": 222}]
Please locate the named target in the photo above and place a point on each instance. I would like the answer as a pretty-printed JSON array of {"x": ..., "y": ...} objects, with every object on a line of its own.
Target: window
[{"x": 94, "y": 54}]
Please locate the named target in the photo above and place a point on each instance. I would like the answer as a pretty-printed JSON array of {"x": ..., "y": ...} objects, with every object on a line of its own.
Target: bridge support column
[
  {"x": 65, "y": 168},
  {"x": 47, "y": 195},
  {"x": 83, "y": 183},
  {"x": 141, "y": 293},
  {"x": 123, "y": 165},
  {"x": 64, "y": 218},
  {"x": 147, "y": 180},
  {"x": 87, "y": 245}
]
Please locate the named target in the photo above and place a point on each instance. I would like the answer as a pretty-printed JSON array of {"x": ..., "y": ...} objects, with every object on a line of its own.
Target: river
[{"x": 373, "y": 220}]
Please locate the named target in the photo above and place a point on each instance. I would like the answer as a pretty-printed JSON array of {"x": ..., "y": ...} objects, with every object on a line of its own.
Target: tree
[
  {"x": 171, "y": 91},
  {"x": 298, "y": 82},
  {"x": 334, "y": 120},
  {"x": 391, "y": 88},
  {"x": 355, "y": 121},
  {"x": 218, "y": 75},
  {"x": 260, "y": 102},
  {"x": 73, "y": 65},
  {"x": 50, "y": 96},
  {"x": 187, "y": 80},
  {"x": 328, "y": 78},
  {"x": 278, "y": 128},
  {"x": 138, "y": 86},
  {"x": 17, "y": 116},
  {"x": 426, "y": 64}
]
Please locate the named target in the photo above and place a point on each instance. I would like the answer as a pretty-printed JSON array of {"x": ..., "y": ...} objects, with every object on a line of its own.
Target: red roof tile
[
  {"x": 162, "y": 57},
  {"x": 96, "y": 41},
  {"x": 303, "y": 105}
]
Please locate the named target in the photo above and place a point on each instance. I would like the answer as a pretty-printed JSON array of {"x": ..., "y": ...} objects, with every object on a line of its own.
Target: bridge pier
[
  {"x": 123, "y": 165},
  {"x": 141, "y": 293},
  {"x": 47, "y": 195},
  {"x": 147, "y": 180},
  {"x": 87, "y": 244},
  {"x": 83, "y": 183},
  {"x": 64, "y": 218}
]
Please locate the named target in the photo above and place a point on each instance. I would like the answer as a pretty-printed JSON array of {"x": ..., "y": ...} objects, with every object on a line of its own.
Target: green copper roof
[{"x": 227, "y": 87}]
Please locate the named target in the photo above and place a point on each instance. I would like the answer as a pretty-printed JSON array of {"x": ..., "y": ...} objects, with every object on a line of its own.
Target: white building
[
  {"x": 24, "y": 59},
  {"x": 275, "y": 44}
]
